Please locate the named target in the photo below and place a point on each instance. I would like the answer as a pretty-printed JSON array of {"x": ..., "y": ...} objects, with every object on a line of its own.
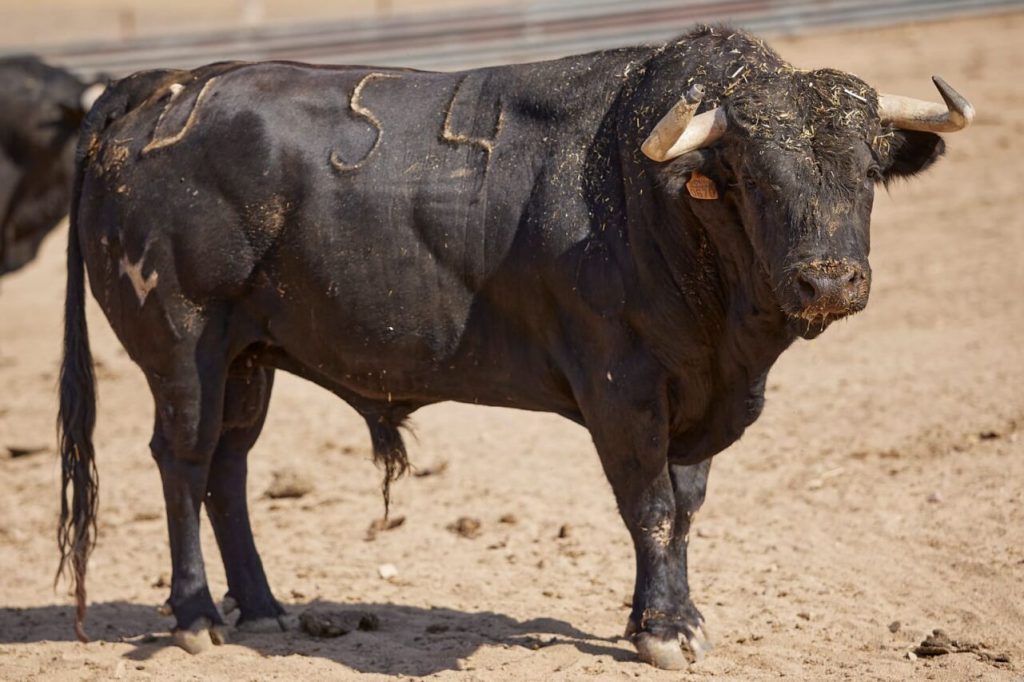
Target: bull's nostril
[
  {"x": 855, "y": 276},
  {"x": 808, "y": 292}
]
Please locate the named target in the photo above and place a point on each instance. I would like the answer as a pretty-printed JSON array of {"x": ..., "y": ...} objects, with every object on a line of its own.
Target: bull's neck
[{"x": 714, "y": 309}]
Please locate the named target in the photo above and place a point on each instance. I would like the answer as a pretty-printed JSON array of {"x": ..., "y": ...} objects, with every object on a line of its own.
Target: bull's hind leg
[
  {"x": 189, "y": 404},
  {"x": 245, "y": 408}
]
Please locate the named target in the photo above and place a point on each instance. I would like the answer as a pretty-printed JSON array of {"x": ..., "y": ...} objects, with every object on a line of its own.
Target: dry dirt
[{"x": 885, "y": 481}]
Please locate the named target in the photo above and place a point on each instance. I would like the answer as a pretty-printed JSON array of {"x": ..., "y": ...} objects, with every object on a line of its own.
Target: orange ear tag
[{"x": 701, "y": 186}]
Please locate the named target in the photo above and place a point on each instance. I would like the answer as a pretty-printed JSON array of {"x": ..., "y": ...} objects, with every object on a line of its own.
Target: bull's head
[{"x": 798, "y": 163}]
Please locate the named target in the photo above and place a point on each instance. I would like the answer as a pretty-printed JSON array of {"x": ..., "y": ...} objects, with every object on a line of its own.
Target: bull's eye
[{"x": 874, "y": 175}]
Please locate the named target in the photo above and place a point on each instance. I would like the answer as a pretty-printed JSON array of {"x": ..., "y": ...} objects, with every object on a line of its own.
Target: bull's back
[{"x": 361, "y": 212}]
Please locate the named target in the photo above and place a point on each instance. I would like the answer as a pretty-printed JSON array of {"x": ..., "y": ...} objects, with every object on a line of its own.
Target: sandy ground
[{"x": 885, "y": 481}]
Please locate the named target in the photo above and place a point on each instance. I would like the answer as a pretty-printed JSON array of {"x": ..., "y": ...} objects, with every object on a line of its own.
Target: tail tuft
[{"x": 389, "y": 451}]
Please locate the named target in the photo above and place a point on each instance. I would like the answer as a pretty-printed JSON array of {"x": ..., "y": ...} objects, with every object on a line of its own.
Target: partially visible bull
[
  {"x": 542, "y": 236},
  {"x": 41, "y": 108}
]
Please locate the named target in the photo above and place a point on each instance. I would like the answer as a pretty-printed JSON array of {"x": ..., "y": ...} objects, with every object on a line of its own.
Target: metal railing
[{"x": 498, "y": 35}]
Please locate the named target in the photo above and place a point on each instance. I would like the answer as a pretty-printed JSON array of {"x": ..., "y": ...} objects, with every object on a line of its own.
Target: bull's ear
[
  {"x": 675, "y": 173},
  {"x": 912, "y": 151}
]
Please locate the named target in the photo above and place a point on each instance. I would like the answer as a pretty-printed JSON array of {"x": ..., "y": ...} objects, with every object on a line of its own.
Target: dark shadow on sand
[{"x": 409, "y": 640}]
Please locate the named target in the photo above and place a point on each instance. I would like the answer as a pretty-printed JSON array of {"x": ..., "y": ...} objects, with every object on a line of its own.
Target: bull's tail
[
  {"x": 388, "y": 451},
  {"x": 76, "y": 534}
]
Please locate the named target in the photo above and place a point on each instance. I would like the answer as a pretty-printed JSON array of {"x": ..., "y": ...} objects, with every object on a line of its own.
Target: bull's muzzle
[{"x": 831, "y": 288}]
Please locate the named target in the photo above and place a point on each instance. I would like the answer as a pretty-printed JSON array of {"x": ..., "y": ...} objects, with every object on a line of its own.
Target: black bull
[{"x": 492, "y": 236}]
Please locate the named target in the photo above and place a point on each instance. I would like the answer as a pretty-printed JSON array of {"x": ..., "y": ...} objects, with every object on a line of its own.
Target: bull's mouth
[
  {"x": 809, "y": 324},
  {"x": 811, "y": 327}
]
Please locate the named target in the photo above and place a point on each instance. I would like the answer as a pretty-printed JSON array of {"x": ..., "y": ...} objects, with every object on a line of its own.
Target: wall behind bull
[{"x": 38, "y": 23}]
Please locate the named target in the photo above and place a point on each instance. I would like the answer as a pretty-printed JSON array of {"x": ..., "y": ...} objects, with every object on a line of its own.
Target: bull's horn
[
  {"x": 672, "y": 124},
  {"x": 916, "y": 114},
  {"x": 679, "y": 131},
  {"x": 90, "y": 95},
  {"x": 703, "y": 130}
]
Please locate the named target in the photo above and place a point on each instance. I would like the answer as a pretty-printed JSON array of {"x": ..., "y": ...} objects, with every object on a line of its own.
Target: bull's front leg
[
  {"x": 656, "y": 501},
  {"x": 689, "y": 484}
]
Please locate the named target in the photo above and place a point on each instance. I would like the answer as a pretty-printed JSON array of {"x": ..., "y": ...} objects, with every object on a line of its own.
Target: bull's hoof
[
  {"x": 264, "y": 625},
  {"x": 699, "y": 642},
  {"x": 666, "y": 654},
  {"x": 675, "y": 653},
  {"x": 228, "y": 604},
  {"x": 200, "y": 636}
]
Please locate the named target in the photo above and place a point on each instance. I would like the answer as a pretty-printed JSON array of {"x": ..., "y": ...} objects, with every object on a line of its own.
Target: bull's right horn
[
  {"x": 916, "y": 114},
  {"x": 90, "y": 95},
  {"x": 679, "y": 131}
]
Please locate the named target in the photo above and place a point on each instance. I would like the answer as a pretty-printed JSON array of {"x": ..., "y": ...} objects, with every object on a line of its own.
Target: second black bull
[
  {"x": 567, "y": 236},
  {"x": 42, "y": 109}
]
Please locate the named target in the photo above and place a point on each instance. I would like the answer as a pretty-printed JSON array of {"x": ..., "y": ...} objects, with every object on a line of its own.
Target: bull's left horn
[
  {"x": 679, "y": 131},
  {"x": 916, "y": 114}
]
